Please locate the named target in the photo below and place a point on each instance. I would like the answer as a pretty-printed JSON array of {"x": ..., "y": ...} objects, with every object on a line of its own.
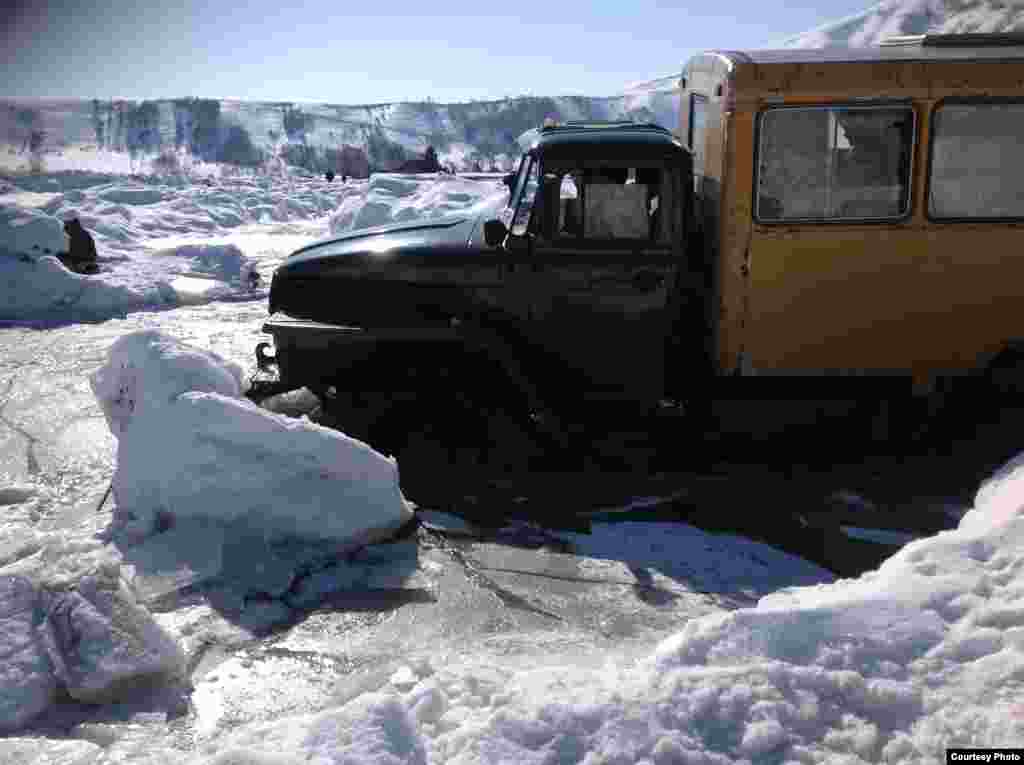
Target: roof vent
[
  {"x": 973, "y": 40},
  {"x": 599, "y": 124}
]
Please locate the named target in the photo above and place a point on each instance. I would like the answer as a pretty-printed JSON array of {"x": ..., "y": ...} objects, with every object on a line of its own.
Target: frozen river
[
  {"x": 264, "y": 635},
  {"x": 649, "y": 642}
]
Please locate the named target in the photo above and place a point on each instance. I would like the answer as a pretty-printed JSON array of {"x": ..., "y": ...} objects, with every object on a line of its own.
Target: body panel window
[
  {"x": 977, "y": 167},
  {"x": 834, "y": 163}
]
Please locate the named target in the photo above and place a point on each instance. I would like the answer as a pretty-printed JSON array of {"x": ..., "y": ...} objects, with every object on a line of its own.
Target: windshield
[{"x": 608, "y": 201}]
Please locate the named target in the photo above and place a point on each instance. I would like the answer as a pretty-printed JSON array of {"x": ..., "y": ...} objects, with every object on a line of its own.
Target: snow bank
[
  {"x": 125, "y": 215},
  {"x": 35, "y": 751},
  {"x": 374, "y": 728},
  {"x": 141, "y": 225},
  {"x": 25, "y": 231},
  {"x": 389, "y": 198},
  {"x": 125, "y": 212},
  {"x": 44, "y": 288},
  {"x": 923, "y": 654},
  {"x": 224, "y": 262},
  {"x": 188, "y": 445}
]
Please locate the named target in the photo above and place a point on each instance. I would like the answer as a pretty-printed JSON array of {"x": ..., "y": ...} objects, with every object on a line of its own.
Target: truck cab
[
  {"x": 594, "y": 236},
  {"x": 575, "y": 281}
]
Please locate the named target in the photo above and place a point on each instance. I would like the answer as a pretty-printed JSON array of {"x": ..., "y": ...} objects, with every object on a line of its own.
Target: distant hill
[{"x": 467, "y": 136}]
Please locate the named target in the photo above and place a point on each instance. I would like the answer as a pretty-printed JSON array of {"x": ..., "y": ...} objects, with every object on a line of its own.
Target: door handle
[{"x": 648, "y": 281}]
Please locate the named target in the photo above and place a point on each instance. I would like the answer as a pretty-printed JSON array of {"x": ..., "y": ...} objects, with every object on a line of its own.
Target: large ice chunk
[
  {"x": 149, "y": 369},
  {"x": 216, "y": 261},
  {"x": 26, "y": 674},
  {"x": 188, "y": 445},
  {"x": 106, "y": 642}
]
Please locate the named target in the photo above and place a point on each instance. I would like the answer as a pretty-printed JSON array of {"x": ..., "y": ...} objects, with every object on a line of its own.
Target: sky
[{"x": 327, "y": 50}]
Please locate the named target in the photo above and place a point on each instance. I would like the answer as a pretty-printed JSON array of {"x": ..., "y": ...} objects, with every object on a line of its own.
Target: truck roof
[{"x": 570, "y": 140}]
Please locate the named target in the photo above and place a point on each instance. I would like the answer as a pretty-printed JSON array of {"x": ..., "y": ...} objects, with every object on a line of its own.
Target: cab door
[
  {"x": 518, "y": 274},
  {"x": 602, "y": 290}
]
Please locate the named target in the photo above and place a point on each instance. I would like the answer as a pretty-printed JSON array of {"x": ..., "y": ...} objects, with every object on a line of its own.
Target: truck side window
[
  {"x": 977, "y": 168},
  {"x": 834, "y": 163},
  {"x": 698, "y": 120}
]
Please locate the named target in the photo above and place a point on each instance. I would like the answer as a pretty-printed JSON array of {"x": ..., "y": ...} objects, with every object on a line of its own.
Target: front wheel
[{"x": 441, "y": 413}]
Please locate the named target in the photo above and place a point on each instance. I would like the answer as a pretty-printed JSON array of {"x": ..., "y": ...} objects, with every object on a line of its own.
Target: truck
[
  {"x": 569, "y": 296},
  {"x": 829, "y": 235}
]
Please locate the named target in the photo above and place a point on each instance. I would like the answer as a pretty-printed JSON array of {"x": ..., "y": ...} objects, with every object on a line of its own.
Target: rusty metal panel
[{"x": 913, "y": 297}]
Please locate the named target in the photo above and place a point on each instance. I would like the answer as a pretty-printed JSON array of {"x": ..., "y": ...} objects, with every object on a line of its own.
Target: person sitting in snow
[
  {"x": 82, "y": 256},
  {"x": 329, "y": 175}
]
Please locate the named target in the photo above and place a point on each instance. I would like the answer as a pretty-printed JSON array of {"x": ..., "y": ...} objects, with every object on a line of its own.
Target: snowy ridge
[
  {"x": 912, "y": 17},
  {"x": 467, "y": 136}
]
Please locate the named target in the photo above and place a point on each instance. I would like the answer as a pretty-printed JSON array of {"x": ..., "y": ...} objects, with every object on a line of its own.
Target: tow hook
[{"x": 264, "y": 361}]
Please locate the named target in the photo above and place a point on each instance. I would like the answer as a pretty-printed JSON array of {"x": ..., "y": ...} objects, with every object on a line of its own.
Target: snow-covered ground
[
  {"x": 165, "y": 241},
  {"x": 214, "y": 608},
  {"x": 233, "y": 599}
]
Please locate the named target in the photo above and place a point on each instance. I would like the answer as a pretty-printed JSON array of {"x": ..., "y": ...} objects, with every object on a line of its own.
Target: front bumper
[{"x": 315, "y": 354}]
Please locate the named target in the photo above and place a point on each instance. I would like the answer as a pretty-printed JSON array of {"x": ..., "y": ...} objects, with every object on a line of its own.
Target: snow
[
  {"x": 396, "y": 199},
  {"x": 375, "y": 729},
  {"x": 922, "y": 654},
  {"x": 467, "y": 135},
  {"x": 196, "y": 465},
  {"x": 164, "y": 241},
  {"x": 73, "y": 606},
  {"x": 31, "y": 232},
  {"x": 891, "y": 18},
  {"x": 93, "y": 642},
  {"x": 177, "y": 412},
  {"x": 28, "y": 681},
  {"x": 30, "y": 751},
  {"x": 269, "y": 512}
]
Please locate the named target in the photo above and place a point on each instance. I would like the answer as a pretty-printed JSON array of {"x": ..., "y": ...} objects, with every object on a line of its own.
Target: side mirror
[
  {"x": 494, "y": 232},
  {"x": 509, "y": 180}
]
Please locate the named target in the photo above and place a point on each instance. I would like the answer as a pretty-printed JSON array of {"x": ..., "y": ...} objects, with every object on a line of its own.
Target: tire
[{"x": 448, "y": 411}]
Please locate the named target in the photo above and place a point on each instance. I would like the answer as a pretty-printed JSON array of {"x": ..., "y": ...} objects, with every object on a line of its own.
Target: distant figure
[
  {"x": 82, "y": 257},
  {"x": 344, "y": 178},
  {"x": 329, "y": 175},
  {"x": 428, "y": 163}
]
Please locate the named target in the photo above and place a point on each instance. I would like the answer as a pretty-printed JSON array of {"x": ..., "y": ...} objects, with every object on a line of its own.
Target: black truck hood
[
  {"x": 362, "y": 278},
  {"x": 450, "y": 235}
]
